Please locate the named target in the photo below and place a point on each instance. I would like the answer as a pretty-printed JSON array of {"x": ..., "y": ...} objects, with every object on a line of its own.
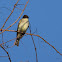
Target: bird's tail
[{"x": 17, "y": 42}]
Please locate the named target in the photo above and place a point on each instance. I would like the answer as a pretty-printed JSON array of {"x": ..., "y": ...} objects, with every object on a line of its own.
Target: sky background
[{"x": 45, "y": 17}]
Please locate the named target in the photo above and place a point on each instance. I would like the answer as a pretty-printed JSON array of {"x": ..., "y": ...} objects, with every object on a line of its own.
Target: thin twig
[
  {"x": 34, "y": 46},
  {"x": 3, "y": 56},
  {"x": 7, "y": 41},
  {"x": 2, "y": 40},
  {"x": 19, "y": 8}
]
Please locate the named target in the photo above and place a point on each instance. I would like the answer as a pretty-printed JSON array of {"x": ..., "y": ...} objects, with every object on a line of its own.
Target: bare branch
[
  {"x": 39, "y": 37},
  {"x": 10, "y": 14},
  {"x": 17, "y": 19},
  {"x": 6, "y": 52},
  {"x": 45, "y": 42}
]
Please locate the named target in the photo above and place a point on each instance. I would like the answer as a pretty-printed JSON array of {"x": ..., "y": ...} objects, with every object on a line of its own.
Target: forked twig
[
  {"x": 6, "y": 52},
  {"x": 10, "y": 14}
]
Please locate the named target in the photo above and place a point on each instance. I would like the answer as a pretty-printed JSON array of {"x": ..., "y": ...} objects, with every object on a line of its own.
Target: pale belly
[{"x": 23, "y": 26}]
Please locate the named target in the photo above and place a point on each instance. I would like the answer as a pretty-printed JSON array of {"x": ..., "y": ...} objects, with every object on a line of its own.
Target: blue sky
[{"x": 45, "y": 17}]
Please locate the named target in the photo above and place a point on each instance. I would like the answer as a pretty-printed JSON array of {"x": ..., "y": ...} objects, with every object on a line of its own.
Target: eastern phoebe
[{"x": 22, "y": 27}]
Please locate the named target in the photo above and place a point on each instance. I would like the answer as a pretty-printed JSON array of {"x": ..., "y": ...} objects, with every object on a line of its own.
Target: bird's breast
[{"x": 23, "y": 25}]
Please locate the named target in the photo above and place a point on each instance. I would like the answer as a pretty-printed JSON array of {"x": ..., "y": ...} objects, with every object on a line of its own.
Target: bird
[{"x": 22, "y": 28}]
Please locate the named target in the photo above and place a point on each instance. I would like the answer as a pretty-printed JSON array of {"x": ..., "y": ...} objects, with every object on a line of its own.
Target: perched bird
[{"x": 22, "y": 27}]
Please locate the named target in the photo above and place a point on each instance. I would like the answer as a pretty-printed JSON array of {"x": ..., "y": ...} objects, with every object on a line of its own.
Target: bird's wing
[
  {"x": 19, "y": 22},
  {"x": 18, "y": 26}
]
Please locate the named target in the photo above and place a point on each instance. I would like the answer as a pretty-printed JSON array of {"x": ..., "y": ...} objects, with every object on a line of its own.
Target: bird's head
[{"x": 25, "y": 16}]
